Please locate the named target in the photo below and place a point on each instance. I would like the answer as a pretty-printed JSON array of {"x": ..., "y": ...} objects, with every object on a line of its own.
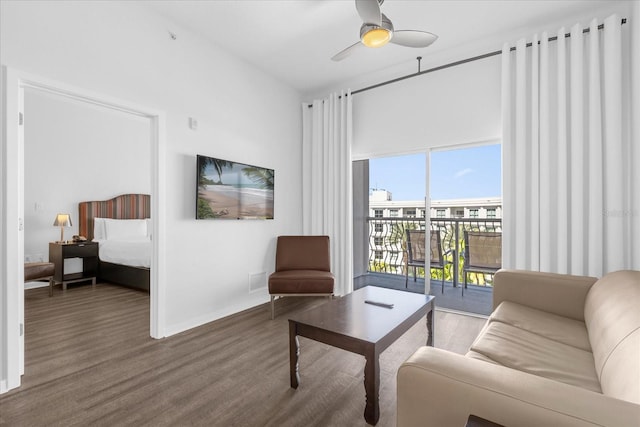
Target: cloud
[{"x": 463, "y": 172}]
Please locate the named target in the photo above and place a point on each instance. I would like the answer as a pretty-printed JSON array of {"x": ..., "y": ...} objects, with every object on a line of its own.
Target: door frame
[
  {"x": 14, "y": 83},
  {"x": 427, "y": 204}
]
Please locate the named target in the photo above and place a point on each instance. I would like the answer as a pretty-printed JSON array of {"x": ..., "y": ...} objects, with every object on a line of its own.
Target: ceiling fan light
[{"x": 376, "y": 37}]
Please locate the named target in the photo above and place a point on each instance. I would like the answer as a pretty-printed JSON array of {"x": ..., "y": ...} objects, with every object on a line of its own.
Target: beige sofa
[{"x": 558, "y": 350}]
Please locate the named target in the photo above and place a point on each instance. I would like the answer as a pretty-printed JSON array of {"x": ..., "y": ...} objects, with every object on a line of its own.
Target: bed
[{"x": 121, "y": 226}]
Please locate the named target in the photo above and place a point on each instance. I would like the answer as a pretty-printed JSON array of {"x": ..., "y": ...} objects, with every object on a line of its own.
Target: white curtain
[
  {"x": 568, "y": 191},
  {"x": 327, "y": 181}
]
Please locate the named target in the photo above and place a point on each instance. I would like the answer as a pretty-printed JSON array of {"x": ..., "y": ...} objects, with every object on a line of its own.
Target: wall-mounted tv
[{"x": 232, "y": 190}]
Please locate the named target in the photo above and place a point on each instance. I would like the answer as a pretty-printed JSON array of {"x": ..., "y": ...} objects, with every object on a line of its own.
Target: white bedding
[{"x": 131, "y": 252}]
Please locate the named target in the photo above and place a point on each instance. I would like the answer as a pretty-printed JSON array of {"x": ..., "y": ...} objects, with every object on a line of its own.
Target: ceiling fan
[{"x": 377, "y": 30}]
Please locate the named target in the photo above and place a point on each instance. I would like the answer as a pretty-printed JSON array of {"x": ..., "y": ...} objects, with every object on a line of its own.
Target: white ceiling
[{"x": 293, "y": 40}]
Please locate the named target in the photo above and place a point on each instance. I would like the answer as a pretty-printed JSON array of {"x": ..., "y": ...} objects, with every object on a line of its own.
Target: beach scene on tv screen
[{"x": 233, "y": 190}]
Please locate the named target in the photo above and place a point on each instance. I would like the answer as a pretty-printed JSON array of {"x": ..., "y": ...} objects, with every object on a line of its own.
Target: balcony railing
[{"x": 388, "y": 247}]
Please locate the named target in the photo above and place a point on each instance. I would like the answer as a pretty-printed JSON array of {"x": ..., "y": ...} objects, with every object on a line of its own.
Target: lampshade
[
  {"x": 63, "y": 220},
  {"x": 376, "y": 37}
]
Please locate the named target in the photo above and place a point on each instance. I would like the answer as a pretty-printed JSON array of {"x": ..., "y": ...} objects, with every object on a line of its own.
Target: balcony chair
[
  {"x": 303, "y": 268},
  {"x": 482, "y": 253},
  {"x": 416, "y": 253}
]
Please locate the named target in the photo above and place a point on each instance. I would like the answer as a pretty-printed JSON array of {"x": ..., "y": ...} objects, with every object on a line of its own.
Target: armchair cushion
[
  {"x": 303, "y": 253},
  {"x": 301, "y": 281}
]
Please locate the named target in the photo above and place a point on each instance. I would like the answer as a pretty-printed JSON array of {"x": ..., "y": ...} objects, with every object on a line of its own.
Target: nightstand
[{"x": 88, "y": 251}]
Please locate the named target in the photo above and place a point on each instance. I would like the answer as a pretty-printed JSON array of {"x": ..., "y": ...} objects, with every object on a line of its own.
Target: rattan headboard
[{"x": 125, "y": 206}]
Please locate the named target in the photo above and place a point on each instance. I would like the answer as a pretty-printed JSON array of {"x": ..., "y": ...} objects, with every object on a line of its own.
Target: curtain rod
[{"x": 464, "y": 61}]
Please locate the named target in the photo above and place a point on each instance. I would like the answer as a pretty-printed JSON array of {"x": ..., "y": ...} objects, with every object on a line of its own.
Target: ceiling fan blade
[
  {"x": 346, "y": 52},
  {"x": 413, "y": 38},
  {"x": 369, "y": 11}
]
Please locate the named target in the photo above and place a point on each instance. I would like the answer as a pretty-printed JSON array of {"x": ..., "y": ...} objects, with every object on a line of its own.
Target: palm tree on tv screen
[
  {"x": 217, "y": 164},
  {"x": 262, "y": 177}
]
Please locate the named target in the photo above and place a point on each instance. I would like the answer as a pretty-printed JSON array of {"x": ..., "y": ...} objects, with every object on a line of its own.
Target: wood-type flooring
[{"x": 90, "y": 362}]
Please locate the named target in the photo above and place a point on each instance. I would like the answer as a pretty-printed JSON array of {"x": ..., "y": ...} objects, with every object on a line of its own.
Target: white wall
[
  {"x": 75, "y": 151},
  {"x": 121, "y": 50}
]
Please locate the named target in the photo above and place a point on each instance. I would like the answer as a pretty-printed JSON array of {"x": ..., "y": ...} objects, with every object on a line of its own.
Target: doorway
[
  {"x": 76, "y": 152},
  {"x": 465, "y": 187},
  {"x": 392, "y": 209},
  {"x": 463, "y": 196},
  {"x": 12, "y": 253}
]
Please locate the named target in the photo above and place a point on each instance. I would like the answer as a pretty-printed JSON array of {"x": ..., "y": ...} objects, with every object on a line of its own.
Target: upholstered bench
[{"x": 40, "y": 271}]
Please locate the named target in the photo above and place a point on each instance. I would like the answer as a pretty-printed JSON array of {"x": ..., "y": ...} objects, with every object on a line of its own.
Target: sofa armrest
[
  {"x": 440, "y": 388},
  {"x": 560, "y": 294}
]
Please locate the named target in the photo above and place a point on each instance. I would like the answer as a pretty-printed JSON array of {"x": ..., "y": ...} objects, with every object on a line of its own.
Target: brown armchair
[{"x": 303, "y": 268}]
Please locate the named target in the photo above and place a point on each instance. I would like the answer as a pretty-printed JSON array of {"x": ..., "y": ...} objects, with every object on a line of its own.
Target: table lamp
[{"x": 62, "y": 220}]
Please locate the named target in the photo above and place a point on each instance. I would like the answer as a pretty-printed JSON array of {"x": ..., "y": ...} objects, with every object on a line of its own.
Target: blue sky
[{"x": 455, "y": 174}]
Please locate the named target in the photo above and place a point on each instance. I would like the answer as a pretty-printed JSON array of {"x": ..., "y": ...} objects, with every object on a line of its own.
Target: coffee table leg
[
  {"x": 294, "y": 352},
  {"x": 430, "y": 327},
  {"x": 372, "y": 387}
]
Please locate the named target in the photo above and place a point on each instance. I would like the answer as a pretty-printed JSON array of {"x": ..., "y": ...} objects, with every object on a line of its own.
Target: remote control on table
[{"x": 379, "y": 304}]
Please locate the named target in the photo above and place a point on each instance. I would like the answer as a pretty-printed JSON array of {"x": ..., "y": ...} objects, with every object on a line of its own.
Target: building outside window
[
  {"x": 411, "y": 213},
  {"x": 379, "y": 228},
  {"x": 393, "y": 212},
  {"x": 378, "y": 254},
  {"x": 491, "y": 213},
  {"x": 378, "y": 241},
  {"x": 473, "y": 213},
  {"x": 377, "y": 213},
  {"x": 459, "y": 213},
  {"x": 440, "y": 213}
]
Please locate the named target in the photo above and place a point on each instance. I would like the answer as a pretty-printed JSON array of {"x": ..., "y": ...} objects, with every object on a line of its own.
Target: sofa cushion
[
  {"x": 557, "y": 328},
  {"x": 475, "y": 355},
  {"x": 526, "y": 351},
  {"x": 613, "y": 320}
]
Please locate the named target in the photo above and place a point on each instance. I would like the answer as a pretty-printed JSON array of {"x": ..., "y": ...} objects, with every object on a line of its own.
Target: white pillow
[
  {"x": 125, "y": 229},
  {"x": 99, "y": 232}
]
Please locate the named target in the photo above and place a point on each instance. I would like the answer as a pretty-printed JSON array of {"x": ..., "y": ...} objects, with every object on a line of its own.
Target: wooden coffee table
[{"x": 353, "y": 325}]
